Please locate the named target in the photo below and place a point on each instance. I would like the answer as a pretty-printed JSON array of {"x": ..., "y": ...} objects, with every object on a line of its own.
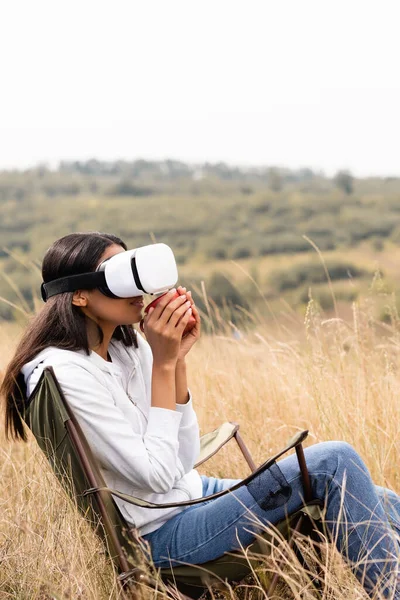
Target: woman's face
[{"x": 107, "y": 311}]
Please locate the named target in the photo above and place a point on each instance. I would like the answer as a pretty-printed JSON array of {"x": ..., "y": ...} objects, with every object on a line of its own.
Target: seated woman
[{"x": 130, "y": 397}]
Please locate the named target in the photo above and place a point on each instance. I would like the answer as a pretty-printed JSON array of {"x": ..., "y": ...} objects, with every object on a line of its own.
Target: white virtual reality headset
[{"x": 146, "y": 270}]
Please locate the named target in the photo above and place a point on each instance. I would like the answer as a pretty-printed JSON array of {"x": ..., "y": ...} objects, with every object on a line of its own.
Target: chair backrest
[{"x": 60, "y": 437}]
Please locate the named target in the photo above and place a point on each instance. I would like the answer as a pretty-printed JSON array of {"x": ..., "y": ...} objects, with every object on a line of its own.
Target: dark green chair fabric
[{"x": 59, "y": 436}]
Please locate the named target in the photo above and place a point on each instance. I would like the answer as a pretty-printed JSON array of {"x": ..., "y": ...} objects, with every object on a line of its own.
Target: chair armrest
[
  {"x": 294, "y": 442},
  {"x": 212, "y": 442}
]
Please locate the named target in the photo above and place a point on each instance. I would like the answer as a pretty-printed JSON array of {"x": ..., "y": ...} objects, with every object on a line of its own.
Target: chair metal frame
[{"x": 130, "y": 576}]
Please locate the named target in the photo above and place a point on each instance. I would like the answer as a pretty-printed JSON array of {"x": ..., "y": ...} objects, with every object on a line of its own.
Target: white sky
[{"x": 270, "y": 82}]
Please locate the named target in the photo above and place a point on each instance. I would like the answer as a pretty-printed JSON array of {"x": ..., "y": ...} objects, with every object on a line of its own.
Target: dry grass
[{"x": 338, "y": 379}]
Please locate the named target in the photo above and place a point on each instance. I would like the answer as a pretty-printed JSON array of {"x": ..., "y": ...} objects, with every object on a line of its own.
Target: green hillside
[{"x": 210, "y": 215}]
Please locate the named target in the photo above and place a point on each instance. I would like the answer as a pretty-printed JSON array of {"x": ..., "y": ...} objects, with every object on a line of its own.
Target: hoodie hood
[
  {"x": 119, "y": 354},
  {"x": 53, "y": 353}
]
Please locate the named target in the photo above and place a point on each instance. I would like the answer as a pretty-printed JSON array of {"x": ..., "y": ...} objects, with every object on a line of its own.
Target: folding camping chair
[{"x": 60, "y": 437}]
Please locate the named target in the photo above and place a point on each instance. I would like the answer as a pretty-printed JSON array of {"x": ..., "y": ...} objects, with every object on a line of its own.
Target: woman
[{"x": 131, "y": 399}]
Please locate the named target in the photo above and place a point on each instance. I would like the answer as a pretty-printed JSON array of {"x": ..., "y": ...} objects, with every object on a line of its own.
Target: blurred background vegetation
[{"x": 245, "y": 237}]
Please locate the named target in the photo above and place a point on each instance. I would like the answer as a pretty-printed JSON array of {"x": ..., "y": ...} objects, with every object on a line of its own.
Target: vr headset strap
[{"x": 84, "y": 281}]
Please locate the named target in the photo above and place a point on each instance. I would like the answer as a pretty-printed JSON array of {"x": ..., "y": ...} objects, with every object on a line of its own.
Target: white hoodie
[{"x": 142, "y": 450}]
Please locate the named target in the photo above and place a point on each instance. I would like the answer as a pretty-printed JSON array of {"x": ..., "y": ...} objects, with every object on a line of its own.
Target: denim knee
[
  {"x": 339, "y": 452},
  {"x": 337, "y": 459},
  {"x": 349, "y": 454}
]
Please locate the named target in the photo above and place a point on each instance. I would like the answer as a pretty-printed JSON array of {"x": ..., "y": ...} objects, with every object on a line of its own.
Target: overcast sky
[{"x": 272, "y": 82}]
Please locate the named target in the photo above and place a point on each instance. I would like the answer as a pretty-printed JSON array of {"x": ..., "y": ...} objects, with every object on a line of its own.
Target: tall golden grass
[{"x": 338, "y": 379}]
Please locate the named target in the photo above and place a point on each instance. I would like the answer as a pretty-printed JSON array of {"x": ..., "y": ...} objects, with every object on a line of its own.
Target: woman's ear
[{"x": 79, "y": 298}]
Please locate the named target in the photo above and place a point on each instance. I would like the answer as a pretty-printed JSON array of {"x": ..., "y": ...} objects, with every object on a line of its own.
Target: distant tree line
[{"x": 145, "y": 178}]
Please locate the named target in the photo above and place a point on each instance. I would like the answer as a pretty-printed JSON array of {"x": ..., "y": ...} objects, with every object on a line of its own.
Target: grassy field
[{"x": 337, "y": 378}]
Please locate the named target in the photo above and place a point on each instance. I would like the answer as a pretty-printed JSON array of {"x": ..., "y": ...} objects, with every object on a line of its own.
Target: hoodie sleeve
[
  {"x": 148, "y": 461},
  {"x": 189, "y": 435}
]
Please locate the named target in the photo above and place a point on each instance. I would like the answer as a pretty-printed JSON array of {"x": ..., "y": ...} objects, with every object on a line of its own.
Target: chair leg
[
  {"x": 317, "y": 578},
  {"x": 308, "y": 496},
  {"x": 276, "y": 576}
]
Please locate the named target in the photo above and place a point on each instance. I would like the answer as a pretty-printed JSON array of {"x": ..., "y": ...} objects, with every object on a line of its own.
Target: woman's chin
[
  {"x": 135, "y": 316},
  {"x": 135, "y": 320},
  {"x": 131, "y": 321}
]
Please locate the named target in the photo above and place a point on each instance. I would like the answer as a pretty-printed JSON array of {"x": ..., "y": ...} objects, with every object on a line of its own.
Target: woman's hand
[
  {"x": 193, "y": 335},
  {"x": 164, "y": 326}
]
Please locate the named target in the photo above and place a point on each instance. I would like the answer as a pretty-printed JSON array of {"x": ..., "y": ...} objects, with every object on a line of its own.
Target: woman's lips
[{"x": 139, "y": 303}]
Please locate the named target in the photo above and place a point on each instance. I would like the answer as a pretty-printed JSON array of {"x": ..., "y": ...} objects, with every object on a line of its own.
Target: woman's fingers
[
  {"x": 171, "y": 308},
  {"x": 166, "y": 306},
  {"x": 147, "y": 316},
  {"x": 179, "y": 313},
  {"x": 184, "y": 321},
  {"x": 196, "y": 313},
  {"x": 182, "y": 290},
  {"x": 158, "y": 309}
]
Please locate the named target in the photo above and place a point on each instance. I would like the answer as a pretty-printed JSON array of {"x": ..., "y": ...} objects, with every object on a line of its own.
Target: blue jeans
[{"x": 363, "y": 519}]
